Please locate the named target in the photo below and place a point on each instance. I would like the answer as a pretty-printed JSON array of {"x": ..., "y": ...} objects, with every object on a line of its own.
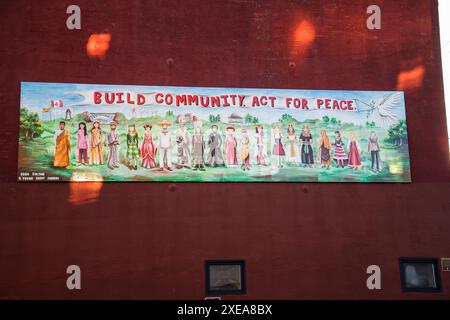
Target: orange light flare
[
  {"x": 304, "y": 36},
  {"x": 411, "y": 79},
  {"x": 97, "y": 45},
  {"x": 84, "y": 192}
]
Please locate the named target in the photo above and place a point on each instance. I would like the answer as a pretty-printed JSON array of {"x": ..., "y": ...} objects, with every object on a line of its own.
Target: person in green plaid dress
[{"x": 132, "y": 147}]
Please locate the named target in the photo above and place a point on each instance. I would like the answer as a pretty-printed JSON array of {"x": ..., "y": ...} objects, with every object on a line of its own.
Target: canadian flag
[{"x": 56, "y": 103}]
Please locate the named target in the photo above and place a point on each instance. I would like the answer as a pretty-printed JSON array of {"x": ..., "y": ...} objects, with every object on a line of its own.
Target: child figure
[
  {"x": 230, "y": 147},
  {"x": 339, "y": 156},
  {"x": 96, "y": 156},
  {"x": 148, "y": 149},
  {"x": 307, "y": 151},
  {"x": 260, "y": 140},
  {"x": 132, "y": 147},
  {"x": 82, "y": 144},
  {"x": 325, "y": 149},
  {"x": 245, "y": 150},
  {"x": 354, "y": 159},
  {"x": 278, "y": 149},
  {"x": 293, "y": 151},
  {"x": 198, "y": 148}
]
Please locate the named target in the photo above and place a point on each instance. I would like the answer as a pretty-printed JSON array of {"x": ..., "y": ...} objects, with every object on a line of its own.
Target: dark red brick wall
[{"x": 143, "y": 240}]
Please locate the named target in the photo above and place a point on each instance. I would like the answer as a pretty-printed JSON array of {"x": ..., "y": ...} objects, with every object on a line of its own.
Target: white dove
[{"x": 383, "y": 109}]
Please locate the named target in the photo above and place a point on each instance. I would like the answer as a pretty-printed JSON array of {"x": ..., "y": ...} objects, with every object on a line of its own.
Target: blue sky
[{"x": 36, "y": 95}]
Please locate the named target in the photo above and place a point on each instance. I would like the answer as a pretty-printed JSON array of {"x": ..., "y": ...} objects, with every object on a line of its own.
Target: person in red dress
[
  {"x": 354, "y": 158},
  {"x": 148, "y": 149}
]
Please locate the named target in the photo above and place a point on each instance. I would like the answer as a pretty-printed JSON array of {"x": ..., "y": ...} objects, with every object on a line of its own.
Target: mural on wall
[{"x": 87, "y": 132}]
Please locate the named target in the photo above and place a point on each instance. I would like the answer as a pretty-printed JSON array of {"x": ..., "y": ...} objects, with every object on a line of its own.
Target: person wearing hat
[
  {"x": 230, "y": 147},
  {"x": 165, "y": 146},
  {"x": 215, "y": 157},
  {"x": 112, "y": 142},
  {"x": 132, "y": 147}
]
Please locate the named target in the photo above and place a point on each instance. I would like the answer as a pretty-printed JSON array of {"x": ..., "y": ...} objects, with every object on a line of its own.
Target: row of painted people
[{"x": 294, "y": 149}]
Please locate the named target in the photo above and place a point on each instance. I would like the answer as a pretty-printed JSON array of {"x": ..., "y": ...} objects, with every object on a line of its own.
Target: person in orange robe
[
  {"x": 96, "y": 156},
  {"x": 62, "y": 140}
]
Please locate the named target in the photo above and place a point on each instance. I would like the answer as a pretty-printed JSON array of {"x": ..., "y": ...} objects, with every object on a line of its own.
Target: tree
[
  {"x": 286, "y": 118},
  {"x": 333, "y": 121},
  {"x": 325, "y": 119},
  {"x": 212, "y": 118},
  {"x": 398, "y": 133},
  {"x": 250, "y": 119},
  {"x": 30, "y": 124},
  {"x": 169, "y": 115}
]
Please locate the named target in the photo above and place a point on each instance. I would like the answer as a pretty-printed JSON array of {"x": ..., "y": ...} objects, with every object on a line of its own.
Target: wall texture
[{"x": 299, "y": 241}]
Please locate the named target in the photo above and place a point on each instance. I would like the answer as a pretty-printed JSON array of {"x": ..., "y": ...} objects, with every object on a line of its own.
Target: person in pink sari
[
  {"x": 147, "y": 148},
  {"x": 354, "y": 158},
  {"x": 82, "y": 144},
  {"x": 230, "y": 147}
]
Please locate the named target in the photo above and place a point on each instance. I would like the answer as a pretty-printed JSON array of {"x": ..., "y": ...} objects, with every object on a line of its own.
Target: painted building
[{"x": 192, "y": 240}]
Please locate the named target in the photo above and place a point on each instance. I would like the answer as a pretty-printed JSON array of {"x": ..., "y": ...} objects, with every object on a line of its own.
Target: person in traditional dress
[
  {"x": 198, "y": 147},
  {"x": 183, "y": 143},
  {"x": 354, "y": 158},
  {"x": 82, "y": 144},
  {"x": 307, "y": 150},
  {"x": 260, "y": 146},
  {"x": 325, "y": 149},
  {"x": 374, "y": 149},
  {"x": 112, "y": 142},
  {"x": 62, "y": 148},
  {"x": 96, "y": 155},
  {"x": 292, "y": 148},
  {"x": 147, "y": 148},
  {"x": 165, "y": 146},
  {"x": 132, "y": 147},
  {"x": 215, "y": 157},
  {"x": 245, "y": 150},
  {"x": 339, "y": 156},
  {"x": 230, "y": 147},
  {"x": 278, "y": 148}
]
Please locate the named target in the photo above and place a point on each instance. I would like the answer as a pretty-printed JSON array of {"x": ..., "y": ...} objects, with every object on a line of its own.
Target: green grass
[{"x": 37, "y": 155}]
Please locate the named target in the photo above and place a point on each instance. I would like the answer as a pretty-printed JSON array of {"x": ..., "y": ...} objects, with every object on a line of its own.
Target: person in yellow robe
[
  {"x": 62, "y": 150},
  {"x": 96, "y": 155}
]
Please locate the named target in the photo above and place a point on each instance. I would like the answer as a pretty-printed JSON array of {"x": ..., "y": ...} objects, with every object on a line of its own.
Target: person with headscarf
[
  {"x": 278, "y": 148},
  {"x": 325, "y": 149},
  {"x": 307, "y": 151},
  {"x": 339, "y": 156},
  {"x": 354, "y": 158},
  {"x": 292, "y": 147}
]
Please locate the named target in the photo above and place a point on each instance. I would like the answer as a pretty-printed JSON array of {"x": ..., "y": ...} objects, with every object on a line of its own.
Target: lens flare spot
[
  {"x": 305, "y": 34},
  {"x": 98, "y": 45},
  {"x": 410, "y": 79},
  {"x": 86, "y": 192}
]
